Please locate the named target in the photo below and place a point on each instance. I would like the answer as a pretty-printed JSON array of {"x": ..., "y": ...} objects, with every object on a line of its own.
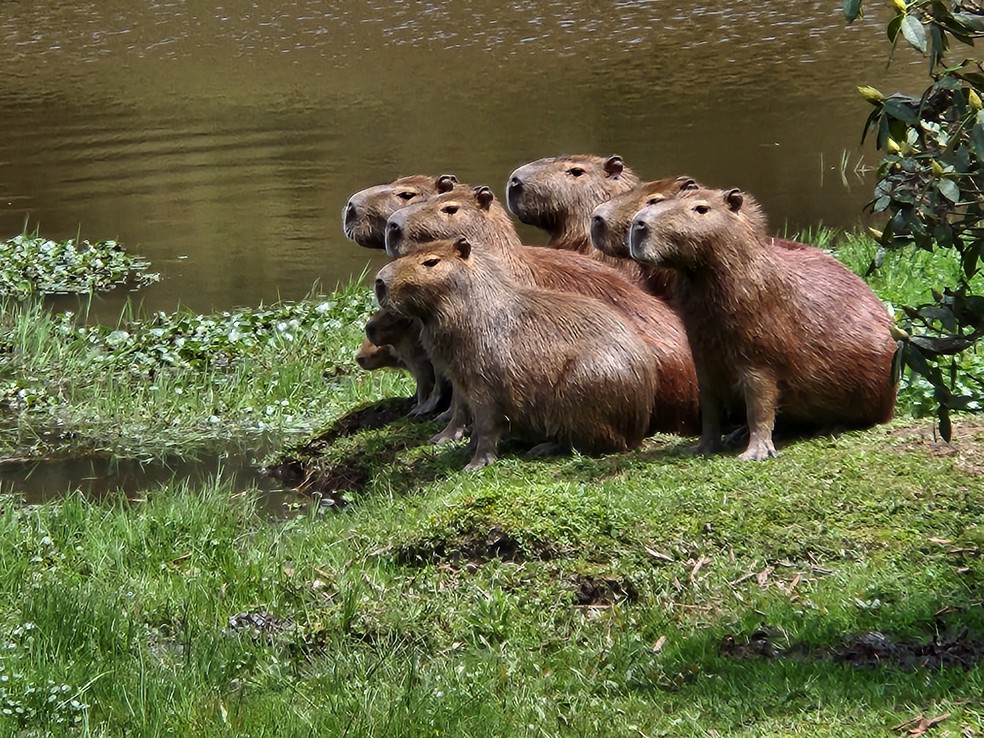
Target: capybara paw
[
  {"x": 480, "y": 460},
  {"x": 542, "y": 450},
  {"x": 444, "y": 417},
  {"x": 448, "y": 435},
  {"x": 426, "y": 408},
  {"x": 759, "y": 452},
  {"x": 704, "y": 448}
]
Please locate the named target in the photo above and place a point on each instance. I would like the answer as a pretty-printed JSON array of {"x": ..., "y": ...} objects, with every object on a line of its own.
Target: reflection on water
[
  {"x": 99, "y": 478},
  {"x": 222, "y": 141}
]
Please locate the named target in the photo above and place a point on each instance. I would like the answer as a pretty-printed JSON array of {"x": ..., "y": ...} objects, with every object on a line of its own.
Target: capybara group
[
  {"x": 660, "y": 306},
  {"x": 784, "y": 332},
  {"x": 590, "y": 389},
  {"x": 366, "y": 212},
  {"x": 477, "y": 215}
]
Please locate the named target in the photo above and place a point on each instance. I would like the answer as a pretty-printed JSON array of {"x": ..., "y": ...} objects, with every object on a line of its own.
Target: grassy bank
[{"x": 835, "y": 591}]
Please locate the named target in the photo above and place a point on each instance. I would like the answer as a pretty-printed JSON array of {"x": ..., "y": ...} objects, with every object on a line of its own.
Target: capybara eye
[
  {"x": 406, "y": 195},
  {"x": 654, "y": 200},
  {"x": 432, "y": 262},
  {"x": 575, "y": 171},
  {"x": 701, "y": 209},
  {"x": 450, "y": 209}
]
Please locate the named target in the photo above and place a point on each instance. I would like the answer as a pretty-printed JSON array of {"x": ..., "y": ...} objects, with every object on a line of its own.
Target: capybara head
[
  {"x": 365, "y": 214},
  {"x": 473, "y": 213},
  {"x": 546, "y": 192},
  {"x": 610, "y": 221},
  {"x": 696, "y": 228},
  {"x": 384, "y": 328},
  {"x": 417, "y": 284},
  {"x": 371, "y": 357}
]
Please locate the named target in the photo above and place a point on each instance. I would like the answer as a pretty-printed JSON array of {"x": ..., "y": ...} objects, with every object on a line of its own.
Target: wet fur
[
  {"x": 781, "y": 330},
  {"x": 543, "y": 365}
]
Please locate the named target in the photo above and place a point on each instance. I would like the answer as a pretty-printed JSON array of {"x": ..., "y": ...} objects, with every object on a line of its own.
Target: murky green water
[{"x": 221, "y": 140}]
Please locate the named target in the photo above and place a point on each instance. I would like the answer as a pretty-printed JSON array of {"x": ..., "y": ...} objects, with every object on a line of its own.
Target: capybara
[
  {"x": 554, "y": 368},
  {"x": 478, "y": 216},
  {"x": 364, "y": 215},
  {"x": 558, "y": 195},
  {"x": 402, "y": 335},
  {"x": 610, "y": 227},
  {"x": 783, "y": 331},
  {"x": 372, "y": 357}
]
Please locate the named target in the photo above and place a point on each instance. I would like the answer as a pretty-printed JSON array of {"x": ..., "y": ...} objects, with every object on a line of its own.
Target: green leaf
[
  {"x": 946, "y": 428},
  {"x": 969, "y": 21},
  {"x": 915, "y": 34},
  {"x": 901, "y": 108},
  {"x": 894, "y": 26},
  {"x": 852, "y": 9},
  {"x": 949, "y": 189}
]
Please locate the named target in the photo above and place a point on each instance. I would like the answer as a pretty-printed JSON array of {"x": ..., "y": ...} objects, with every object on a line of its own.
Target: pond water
[{"x": 222, "y": 140}]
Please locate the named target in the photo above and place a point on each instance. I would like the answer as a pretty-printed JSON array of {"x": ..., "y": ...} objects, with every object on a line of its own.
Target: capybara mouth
[
  {"x": 362, "y": 361},
  {"x": 599, "y": 232},
  {"x": 381, "y": 293},
  {"x": 637, "y": 237},
  {"x": 514, "y": 193}
]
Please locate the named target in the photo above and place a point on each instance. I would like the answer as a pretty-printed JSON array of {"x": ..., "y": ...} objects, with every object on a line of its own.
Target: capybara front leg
[
  {"x": 761, "y": 399},
  {"x": 457, "y": 427},
  {"x": 710, "y": 420},
  {"x": 488, "y": 432}
]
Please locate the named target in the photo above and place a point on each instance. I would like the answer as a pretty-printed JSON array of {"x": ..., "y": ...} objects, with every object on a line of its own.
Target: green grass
[{"x": 616, "y": 596}]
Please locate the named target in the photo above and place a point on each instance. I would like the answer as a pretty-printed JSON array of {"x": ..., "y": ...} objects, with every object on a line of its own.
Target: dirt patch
[
  {"x": 475, "y": 548},
  {"x": 601, "y": 591},
  {"x": 365, "y": 417},
  {"x": 955, "y": 649},
  {"x": 260, "y": 625},
  {"x": 966, "y": 446},
  {"x": 306, "y": 470}
]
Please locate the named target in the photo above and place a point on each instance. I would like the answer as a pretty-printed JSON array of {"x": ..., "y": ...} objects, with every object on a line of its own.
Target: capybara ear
[
  {"x": 485, "y": 196},
  {"x": 446, "y": 183},
  {"x": 734, "y": 198},
  {"x": 614, "y": 166},
  {"x": 686, "y": 183},
  {"x": 462, "y": 247}
]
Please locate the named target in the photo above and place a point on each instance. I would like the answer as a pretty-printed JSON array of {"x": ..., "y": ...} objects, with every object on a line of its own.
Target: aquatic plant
[{"x": 31, "y": 265}]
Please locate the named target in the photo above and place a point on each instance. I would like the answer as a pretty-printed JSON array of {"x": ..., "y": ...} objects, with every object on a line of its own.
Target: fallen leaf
[
  {"x": 939, "y": 540},
  {"x": 660, "y": 642},
  {"x": 763, "y": 576},
  {"x": 657, "y": 555},
  {"x": 922, "y": 724},
  {"x": 700, "y": 562}
]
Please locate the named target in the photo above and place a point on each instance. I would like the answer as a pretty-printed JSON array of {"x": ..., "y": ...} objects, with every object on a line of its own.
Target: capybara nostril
[
  {"x": 515, "y": 183},
  {"x": 362, "y": 361},
  {"x": 351, "y": 212},
  {"x": 380, "y": 291}
]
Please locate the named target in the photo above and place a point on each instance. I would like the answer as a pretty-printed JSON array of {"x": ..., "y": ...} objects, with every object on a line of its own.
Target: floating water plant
[{"x": 31, "y": 265}]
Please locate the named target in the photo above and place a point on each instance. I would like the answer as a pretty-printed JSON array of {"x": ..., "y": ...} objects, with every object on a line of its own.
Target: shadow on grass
[{"x": 364, "y": 448}]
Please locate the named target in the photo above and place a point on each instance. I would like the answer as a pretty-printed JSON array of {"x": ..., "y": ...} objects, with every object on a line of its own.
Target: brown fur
[
  {"x": 476, "y": 215},
  {"x": 610, "y": 227},
  {"x": 558, "y": 194},
  {"x": 364, "y": 215},
  {"x": 783, "y": 331},
  {"x": 552, "y": 367},
  {"x": 402, "y": 336},
  {"x": 372, "y": 357}
]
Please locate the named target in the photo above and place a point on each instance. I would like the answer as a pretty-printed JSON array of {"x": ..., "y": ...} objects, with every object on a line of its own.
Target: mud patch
[
  {"x": 365, "y": 417},
  {"x": 494, "y": 545},
  {"x": 307, "y": 471},
  {"x": 870, "y": 650},
  {"x": 592, "y": 591}
]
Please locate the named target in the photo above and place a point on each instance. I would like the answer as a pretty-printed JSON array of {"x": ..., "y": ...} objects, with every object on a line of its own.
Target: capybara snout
[{"x": 380, "y": 287}]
